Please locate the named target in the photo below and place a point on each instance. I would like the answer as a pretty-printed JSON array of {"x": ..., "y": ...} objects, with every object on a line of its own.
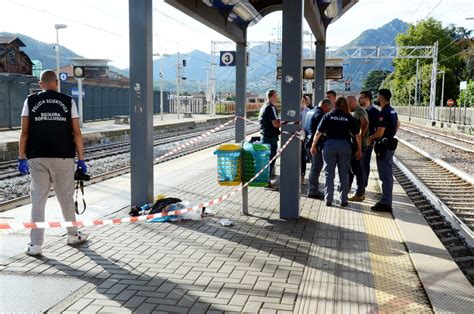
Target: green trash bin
[{"x": 256, "y": 156}]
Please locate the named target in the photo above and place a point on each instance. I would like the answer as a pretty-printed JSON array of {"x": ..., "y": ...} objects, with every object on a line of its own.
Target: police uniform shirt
[
  {"x": 312, "y": 123},
  {"x": 373, "y": 114},
  {"x": 388, "y": 119},
  {"x": 50, "y": 127},
  {"x": 338, "y": 125},
  {"x": 267, "y": 114}
]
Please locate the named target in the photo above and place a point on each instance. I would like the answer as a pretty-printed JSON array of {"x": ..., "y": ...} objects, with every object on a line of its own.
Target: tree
[
  {"x": 466, "y": 96},
  {"x": 374, "y": 80},
  {"x": 426, "y": 33}
]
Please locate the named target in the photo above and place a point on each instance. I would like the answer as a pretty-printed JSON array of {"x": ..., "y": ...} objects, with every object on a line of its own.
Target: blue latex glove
[
  {"x": 23, "y": 166},
  {"x": 82, "y": 165}
]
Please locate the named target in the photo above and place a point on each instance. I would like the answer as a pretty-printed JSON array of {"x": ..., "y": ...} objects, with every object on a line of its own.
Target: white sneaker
[
  {"x": 77, "y": 238},
  {"x": 34, "y": 250}
]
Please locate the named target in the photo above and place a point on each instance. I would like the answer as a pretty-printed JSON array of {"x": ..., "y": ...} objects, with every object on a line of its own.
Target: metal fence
[
  {"x": 100, "y": 102},
  {"x": 458, "y": 115}
]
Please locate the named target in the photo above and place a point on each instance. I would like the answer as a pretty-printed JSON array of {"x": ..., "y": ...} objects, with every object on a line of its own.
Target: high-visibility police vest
[{"x": 50, "y": 129}]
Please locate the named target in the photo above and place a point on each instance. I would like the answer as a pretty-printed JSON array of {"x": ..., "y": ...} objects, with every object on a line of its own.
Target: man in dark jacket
[
  {"x": 312, "y": 120},
  {"x": 270, "y": 125}
]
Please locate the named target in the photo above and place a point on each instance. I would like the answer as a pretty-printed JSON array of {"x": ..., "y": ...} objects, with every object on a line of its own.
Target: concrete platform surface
[{"x": 332, "y": 259}]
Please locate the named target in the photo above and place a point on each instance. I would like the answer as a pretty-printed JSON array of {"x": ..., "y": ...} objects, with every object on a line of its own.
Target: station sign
[
  {"x": 75, "y": 92},
  {"x": 332, "y": 73},
  {"x": 227, "y": 58},
  {"x": 63, "y": 76}
]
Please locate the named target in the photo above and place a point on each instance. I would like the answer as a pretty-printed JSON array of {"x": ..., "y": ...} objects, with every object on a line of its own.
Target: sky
[{"x": 99, "y": 29}]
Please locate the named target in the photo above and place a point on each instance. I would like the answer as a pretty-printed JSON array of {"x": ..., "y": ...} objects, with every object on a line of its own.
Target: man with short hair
[
  {"x": 270, "y": 125},
  {"x": 312, "y": 120},
  {"x": 357, "y": 169},
  {"x": 365, "y": 100},
  {"x": 331, "y": 95},
  {"x": 50, "y": 137},
  {"x": 387, "y": 127}
]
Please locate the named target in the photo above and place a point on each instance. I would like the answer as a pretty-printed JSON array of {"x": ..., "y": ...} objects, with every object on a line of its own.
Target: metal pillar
[
  {"x": 80, "y": 100},
  {"x": 416, "y": 82},
  {"x": 141, "y": 101},
  {"x": 441, "y": 102},
  {"x": 290, "y": 183},
  {"x": 320, "y": 72},
  {"x": 178, "y": 80},
  {"x": 240, "y": 110},
  {"x": 434, "y": 73},
  {"x": 161, "y": 87}
]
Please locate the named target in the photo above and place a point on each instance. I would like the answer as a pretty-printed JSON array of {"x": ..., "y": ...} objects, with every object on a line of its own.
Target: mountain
[
  {"x": 38, "y": 50},
  {"x": 263, "y": 63},
  {"x": 357, "y": 69},
  {"x": 46, "y": 53},
  {"x": 261, "y": 73}
]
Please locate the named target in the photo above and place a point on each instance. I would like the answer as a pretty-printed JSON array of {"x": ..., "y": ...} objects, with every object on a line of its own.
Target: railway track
[
  {"x": 25, "y": 199},
  {"x": 460, "y": 143},
  {"x": 8, "y": 169},
  {"x": 444, "y": 196}
]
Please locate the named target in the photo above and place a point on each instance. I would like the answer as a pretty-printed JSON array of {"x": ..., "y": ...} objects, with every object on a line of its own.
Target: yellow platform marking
[{"x": 398, "y": 288}]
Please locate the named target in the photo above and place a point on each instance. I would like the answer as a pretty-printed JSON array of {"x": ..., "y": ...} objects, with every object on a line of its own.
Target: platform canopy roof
[{"x": 232, "y": 17}]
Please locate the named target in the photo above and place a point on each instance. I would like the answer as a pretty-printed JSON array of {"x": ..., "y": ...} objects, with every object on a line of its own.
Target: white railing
[{"x": 458, "y": 115}]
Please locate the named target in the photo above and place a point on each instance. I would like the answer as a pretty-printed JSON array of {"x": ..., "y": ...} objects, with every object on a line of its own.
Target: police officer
[
  {"x": 312, "y": 120},
  {"x": 270, "y": 125},
  {"x": 365, "y": 100},
  {"x": 387, "y": 127},
  {"x": 50, "y": 137},
  {"x": 331, "y": 95},
  {"x": 338, "y": 126}
]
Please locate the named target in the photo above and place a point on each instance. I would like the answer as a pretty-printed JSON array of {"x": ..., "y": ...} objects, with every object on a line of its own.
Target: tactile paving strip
[{"x": 398, "y": 288}]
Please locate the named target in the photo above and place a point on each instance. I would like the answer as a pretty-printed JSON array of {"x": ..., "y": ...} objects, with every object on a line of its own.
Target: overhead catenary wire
[
  {"x": 414, "y": 11},
  {"x": 445, "y": 59},
  {"x": 434, "y": 8},
  {"x": 68, "y": 19}
]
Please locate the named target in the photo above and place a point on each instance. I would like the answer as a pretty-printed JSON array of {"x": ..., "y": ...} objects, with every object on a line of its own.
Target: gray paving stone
[
  {"x": 172, "y": 309},
  {"x": 164, "y": 301},
  {"x": 91, "y": 309},
  {"x": 252, "y": 307},
  {"x": 80, "y": 304},
  {"x": 125, "y": 295},
  {"x": 110, "y": 309},
  {"x": 110, "y": 303},
  {"x": 135, "y": 302}
]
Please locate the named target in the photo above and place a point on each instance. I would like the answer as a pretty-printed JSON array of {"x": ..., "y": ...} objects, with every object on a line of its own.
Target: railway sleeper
[
  {"x": 427, "y": 209},
  {"x": 436, "y": 222},
  {"x": 465, "y": 259},
  {"x": 448, "y": 240},
  {"x": 444, "y": 232},
  {"x": 459, "y": 250}
]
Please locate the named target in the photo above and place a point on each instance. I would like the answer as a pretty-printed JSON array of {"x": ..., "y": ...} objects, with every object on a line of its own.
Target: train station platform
[
  {"x": 331, "y": 260},
  {"x": 108, "y": 131}
]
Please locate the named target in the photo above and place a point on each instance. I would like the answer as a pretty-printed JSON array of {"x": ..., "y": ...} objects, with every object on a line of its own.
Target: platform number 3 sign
[{"x": 227, "y": 59}]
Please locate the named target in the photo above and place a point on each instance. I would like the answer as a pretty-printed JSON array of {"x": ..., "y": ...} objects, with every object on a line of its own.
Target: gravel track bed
[
  {"x": 456, "y": 157},
  {"x": 19, "y": 186}
]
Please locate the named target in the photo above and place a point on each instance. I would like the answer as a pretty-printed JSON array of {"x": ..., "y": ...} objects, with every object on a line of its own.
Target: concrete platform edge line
[{"x": 437, "y": 282}]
